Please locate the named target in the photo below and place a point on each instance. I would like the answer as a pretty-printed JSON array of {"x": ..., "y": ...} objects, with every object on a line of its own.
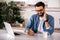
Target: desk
[
  {"x": 5, "y": 36},
  {"x": 55, "y": 36},
  {"x": 38, "y": 36}
]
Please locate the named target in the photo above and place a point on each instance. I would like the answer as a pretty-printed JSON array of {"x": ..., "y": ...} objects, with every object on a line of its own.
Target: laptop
[
  {"x": 11, "y": 31},
  {"x": 7, "y": 34}
]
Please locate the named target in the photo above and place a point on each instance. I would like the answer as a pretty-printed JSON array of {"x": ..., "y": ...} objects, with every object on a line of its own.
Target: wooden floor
[{"x": 57, "y": 31}]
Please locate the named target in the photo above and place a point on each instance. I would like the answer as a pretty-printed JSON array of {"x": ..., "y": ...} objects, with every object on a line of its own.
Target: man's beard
[{"x": 42, "y": 14}]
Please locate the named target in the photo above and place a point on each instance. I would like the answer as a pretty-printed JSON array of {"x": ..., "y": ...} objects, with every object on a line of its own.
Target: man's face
[{"x": 40, "y": 10}]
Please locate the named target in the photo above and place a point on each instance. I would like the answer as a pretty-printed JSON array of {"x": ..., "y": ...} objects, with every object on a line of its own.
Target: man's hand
[
  {"x": 29, "y": 32},
  {"x": 45, "y": 18}
]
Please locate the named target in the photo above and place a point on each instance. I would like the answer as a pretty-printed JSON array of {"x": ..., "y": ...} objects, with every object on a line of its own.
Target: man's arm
[
  {"x": 50, "y": 29},
  {"x": 49, "y": 23},
  {"x": 28, "y": 27},
  {"x": 45, "y": 19}
]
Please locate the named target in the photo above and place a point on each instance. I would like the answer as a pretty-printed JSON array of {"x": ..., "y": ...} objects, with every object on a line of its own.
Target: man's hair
[{"x": 40, "y": 4}]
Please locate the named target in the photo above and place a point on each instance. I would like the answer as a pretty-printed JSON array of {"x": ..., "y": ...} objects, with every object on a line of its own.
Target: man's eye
[{"x": 41, "y": 10}]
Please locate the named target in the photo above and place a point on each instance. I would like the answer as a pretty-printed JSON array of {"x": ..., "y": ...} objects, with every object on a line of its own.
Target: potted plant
[{"x": 9, "y": 13}]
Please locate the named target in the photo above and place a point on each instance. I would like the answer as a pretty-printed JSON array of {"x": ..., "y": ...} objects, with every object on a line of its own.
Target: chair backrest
[{"x": 9, "y": 29}]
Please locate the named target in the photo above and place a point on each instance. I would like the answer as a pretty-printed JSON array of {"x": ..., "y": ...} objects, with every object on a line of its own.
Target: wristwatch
[{"x": 46, "y": 20}]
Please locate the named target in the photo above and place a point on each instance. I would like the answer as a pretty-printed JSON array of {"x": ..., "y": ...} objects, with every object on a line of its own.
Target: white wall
[
  {"x": 55, "y": 12},
  {"x": 53, "y": 9},
  {"x": 53, "y": 3}
]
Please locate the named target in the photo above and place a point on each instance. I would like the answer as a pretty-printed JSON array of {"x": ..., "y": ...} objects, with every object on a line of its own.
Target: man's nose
[{"x": 39, "y": 12}]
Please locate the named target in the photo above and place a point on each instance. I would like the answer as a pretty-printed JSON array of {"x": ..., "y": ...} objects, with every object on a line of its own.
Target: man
[{"x": 40, "y": 22}]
